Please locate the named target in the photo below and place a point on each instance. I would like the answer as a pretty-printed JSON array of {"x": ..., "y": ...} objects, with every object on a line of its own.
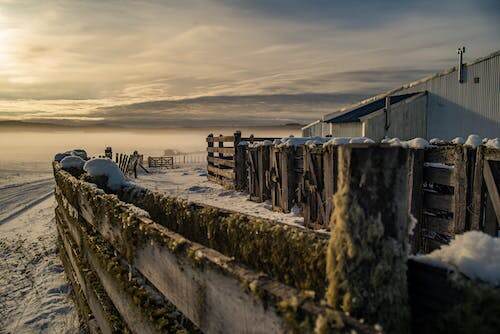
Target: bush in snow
[{"x": 107, "y": 169}]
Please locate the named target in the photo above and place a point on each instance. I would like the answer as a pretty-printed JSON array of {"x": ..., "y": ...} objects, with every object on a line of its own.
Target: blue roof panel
[{"x": 354, "y": 115}]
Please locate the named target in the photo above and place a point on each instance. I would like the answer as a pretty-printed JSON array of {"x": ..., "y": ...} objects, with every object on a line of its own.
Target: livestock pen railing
[
  {"x": 452, "y": 189},
  {"x": 143, "y": 262},
  {"x": 226, "y": 159},
  {"x": 164, "y": 272}
]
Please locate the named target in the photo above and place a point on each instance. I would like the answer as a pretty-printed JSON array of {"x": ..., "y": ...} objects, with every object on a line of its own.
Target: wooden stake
[{"x": 367, "y": 254}]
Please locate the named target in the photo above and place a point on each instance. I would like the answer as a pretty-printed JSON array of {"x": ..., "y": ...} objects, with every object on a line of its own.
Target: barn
[{"x": 457, "y": 102}]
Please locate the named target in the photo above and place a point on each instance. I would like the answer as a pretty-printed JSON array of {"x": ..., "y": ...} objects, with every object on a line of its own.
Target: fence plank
[
  {"x": 221, "y": 162},
  {"x": 438, "y": 175},
  {"x": 492, "y": 188},
  {"x": 438, "y": 201},
  {"x": 224, "y": 150},
  {"x": 225, "y": 139},
  {"x": 460, "y": 188},
  {"x": 227, "y": 173},
  {"x": 91, "y": 287},
  {"x": 207, "y": 289},
  {"x": 444, "y": 155},
  {"x": 416, "y": 196},
  {"x": 437, "y": 224},
  {"x": 477, "y": 203}
]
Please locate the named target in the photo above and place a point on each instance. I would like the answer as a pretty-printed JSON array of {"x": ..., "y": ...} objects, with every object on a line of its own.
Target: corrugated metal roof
[{"x": 353, "y": 115}]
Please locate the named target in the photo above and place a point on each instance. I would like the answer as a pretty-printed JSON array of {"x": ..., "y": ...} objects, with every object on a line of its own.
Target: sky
[{"x": 223, "y": 62}]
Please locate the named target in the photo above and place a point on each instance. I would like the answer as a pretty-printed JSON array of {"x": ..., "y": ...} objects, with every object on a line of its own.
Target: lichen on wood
[
  {"x": 293, "y": 255},
  {"x": 367, "y": 254}
]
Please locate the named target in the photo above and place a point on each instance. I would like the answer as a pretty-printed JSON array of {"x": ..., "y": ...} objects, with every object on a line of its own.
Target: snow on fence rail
[
  {"x": 151, "y": 276},
  {"x": 453, "y": 188},
  {"x": 144, "y": 262},
  {"x": 226, "y": 162}
]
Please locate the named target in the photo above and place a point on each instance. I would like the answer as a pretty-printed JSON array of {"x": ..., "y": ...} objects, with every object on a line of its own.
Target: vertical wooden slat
[
  {"x": 330, "y": 173},
  {"x": 460, "y": 189},
  {"x": 416, "y": 197},
  {"x": 491, "y": 185}
]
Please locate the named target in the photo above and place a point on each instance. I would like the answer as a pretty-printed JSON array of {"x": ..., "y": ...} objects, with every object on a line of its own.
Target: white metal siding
[
  {"x": 407, "y": 120},
  {"x": 459, "y": 109},
  {"x": 354, "y": 129},
  {"x": 313, "y": 130}
]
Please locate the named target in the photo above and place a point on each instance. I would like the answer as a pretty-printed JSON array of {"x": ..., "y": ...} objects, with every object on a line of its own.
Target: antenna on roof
[{"x": 461, "y": 52}]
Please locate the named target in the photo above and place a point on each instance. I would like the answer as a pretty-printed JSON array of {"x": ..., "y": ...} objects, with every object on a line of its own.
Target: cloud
[{"x": 119, "y": 53}]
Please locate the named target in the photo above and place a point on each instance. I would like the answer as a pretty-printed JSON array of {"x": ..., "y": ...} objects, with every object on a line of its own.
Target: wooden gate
[
  {"x": 313, "y": 199},
  {"x": 440, "y": 193},
  {"x": 285, "y": 174},
  {"x": 258, "y": 173},
  {"x": 485, "y": 206}
]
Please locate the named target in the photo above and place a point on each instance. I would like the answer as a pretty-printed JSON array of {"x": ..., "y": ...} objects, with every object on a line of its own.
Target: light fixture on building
[{"x": 461, "y": 52}]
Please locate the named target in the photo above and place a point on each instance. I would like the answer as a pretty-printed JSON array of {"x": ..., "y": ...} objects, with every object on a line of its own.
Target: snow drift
[
  {"x": 473, "y": 253},
  {"x": 106, "y": 167}
]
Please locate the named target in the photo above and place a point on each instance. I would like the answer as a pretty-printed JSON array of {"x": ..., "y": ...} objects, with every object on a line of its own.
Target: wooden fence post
[
  {"x": 477, "y": 191},
  {"x": 460, "y": 186},
  {"x": 210, "y": 143},
  {"x": 240, "y": 163},
  {"x": 367, "y": 254},
  {"x": 416, "y": 196}
]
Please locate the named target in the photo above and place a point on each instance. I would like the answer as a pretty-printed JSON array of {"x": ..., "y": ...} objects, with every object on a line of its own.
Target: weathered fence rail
[
  {"x": 179, "y": 266},
  {"x": 128, "y": 164},
  {"x": 156, "y": 278},
  {"x": 161, "y": 162},
  {"x": 227, "y": 159},
  {"x": 452, "y": 188}
]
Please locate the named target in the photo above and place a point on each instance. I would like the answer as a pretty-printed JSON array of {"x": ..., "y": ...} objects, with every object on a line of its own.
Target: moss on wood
[
  {"x": 292, "y": 255},
  {"x": 164, "y": 315}
]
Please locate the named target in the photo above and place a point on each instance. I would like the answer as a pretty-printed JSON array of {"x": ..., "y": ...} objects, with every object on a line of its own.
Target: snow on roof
[
  {"x": 108, "y": 168},
  {"x": 72, "y": 161},
  {"x": 474, "y": 254}
]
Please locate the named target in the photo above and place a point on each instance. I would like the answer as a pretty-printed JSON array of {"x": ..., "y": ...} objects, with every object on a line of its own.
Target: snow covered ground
[
  {"x": 191, "y": 183},
  {"x": 21, "y": 172},
  {"x": 34, "y": 293}
]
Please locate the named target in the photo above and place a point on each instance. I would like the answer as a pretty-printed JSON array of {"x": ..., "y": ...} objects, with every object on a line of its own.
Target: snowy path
[
  {"x": 33, "y": 288},
  {"x": 16, "y": 198}
]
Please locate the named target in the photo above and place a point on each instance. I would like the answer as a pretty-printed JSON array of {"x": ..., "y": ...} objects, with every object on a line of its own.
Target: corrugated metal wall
[
  {"x": 407, "y": 120},
  {"x": 347, "y": 129},
  {"x": 313, "y": 130},
  {"x": 459, "y": 109}
]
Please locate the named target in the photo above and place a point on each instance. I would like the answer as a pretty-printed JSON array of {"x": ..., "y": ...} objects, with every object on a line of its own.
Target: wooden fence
[
  {"x": 258, "y": 160},
  {"x": 452, "y": 188},
  {"x": 285, "y": 175},
  {"x": 129, "y": 164},
  {"x": 161, "y": 162},
  {"x": 187, "y": 267},
  {"x": 227, "y": 159},
  {"x": 133, "y": 274}
]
